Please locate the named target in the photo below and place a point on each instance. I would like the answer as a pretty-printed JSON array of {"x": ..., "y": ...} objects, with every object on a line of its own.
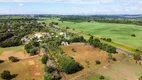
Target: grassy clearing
[
  {"x": 31, "y": 68},
  {"x": 17, "y": 48},
  {"x": 123, "y": 69}
]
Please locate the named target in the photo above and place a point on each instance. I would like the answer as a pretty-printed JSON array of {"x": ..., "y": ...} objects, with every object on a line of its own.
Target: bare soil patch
[{"x": 19, "y": 54}]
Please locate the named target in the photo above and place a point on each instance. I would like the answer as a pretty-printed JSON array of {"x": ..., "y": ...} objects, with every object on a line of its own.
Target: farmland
[{"x": 118, "y": 32}]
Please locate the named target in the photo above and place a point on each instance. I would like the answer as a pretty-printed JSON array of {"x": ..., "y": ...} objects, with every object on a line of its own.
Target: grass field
[
  {"x": 17, "y": 48},
  {"x": 31, "y": 68},
  {"x": 118, "y": 32},
  {"x": 125, "y": 68}
]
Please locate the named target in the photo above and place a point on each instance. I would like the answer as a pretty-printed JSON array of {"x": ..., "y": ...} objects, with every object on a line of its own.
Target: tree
[
  {"x": 102, "y": 77},
  {"x": 1, "y": 61},
  {"x": 34, "y": 51},
  {"x": 140, "y": 78},
  {"x": 48, "y": 69},
  {"x": 44, "y": 59},
  {"x": 36, "y": 44},
  {"x": 137, "y": 57},
  {"x": 98, "y": 62},
  {"x": 13, "y": 59},
  {"x": 49, "y": 77},
  {"x": 6, "y": 75}
]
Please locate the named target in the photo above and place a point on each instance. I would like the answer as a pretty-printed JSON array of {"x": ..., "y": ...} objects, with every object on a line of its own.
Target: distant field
[{"x": 118, "y": 32}]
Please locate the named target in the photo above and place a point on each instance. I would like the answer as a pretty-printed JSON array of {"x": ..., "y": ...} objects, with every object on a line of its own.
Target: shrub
[
  {"x": 49, "y": 69},
  {"x": 1, "y": 61},
  {"x": 13, "y": 59},
  {"x": 6, "y": 75},
  {"x": 114, "y": 59},
  {"x": 34, "y": 51},
  {"x": 73, "y": 50},
  {"x": 109, "y": 39},
  {"x": 133, "y": 35},
  {"x": 140, "y": 78},
  {"x": 137, "y": 57},
  {"x": 98, "y": 62},
  {"x": 102, "y": 77},
  {"x": 44, "y": 59},
  {"x": 49, "y": 77}
]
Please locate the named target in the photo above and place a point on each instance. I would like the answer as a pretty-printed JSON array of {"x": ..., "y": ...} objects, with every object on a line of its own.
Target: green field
[
  {"x": 118, "y": 32},
  {"x": 17, "y": 48}
]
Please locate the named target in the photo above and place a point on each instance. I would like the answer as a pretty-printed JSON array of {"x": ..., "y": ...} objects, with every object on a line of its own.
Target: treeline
[
  {"x": 101, "y": 45},
  {"x": 103, "y": 20}
]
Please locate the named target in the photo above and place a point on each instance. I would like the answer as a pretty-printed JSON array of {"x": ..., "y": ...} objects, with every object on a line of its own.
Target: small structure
[{"x": 65, "y": 43}]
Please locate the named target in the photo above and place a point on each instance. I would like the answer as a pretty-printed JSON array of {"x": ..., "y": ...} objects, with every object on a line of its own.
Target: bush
[
  {"x": 6, "y": 75},
  {"x": 1, "y": 61},
  {"x": 49, "y": 69},
  {"x": 34, "y": 51},
  {"x": 140, "y": 78},
  {"x": 102, "y": 77},
  {"x": 114, "y": 59},
  {"x": 48, "y": 77},
  {"x": 13, "y": 59},
  {"x": 73, "y": 50},
  {"x": 133, "y": 35},
  {"x": 98, "y": 62},
  {"x": 109, "y": 39},
  {"x": 44, "y": 59},
  {"x": 137, "y": 57}
]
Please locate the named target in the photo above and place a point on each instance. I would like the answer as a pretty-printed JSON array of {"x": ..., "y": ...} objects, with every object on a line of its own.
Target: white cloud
[
  {"x": 20, "y": 4},
  {"x": 65, "y": 1}
]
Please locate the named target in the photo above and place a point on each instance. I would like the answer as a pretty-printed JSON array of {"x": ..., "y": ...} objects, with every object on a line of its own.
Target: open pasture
[
  {"x": 118, "y": 32},
  {"x": 27, "y": 69}
]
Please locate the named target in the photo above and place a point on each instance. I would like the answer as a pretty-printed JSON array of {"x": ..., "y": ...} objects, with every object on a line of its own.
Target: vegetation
[
  {"x": 98, "y": 62},
  {"x": 103, "y": 46},
  {"x": 6, "y": 75},
  {"x": 44, "y": 59},
  {"x": 13, "y": 59},
  {"x": 32, "y": 48},
  {"x": 137, "y": 57}
]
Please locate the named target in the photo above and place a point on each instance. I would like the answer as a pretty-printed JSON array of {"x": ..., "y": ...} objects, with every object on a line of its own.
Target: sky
[{"x": 69, "y": 7}]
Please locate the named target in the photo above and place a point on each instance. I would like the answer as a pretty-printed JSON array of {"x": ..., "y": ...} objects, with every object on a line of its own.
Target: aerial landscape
[{"x": 70, "y": 40}]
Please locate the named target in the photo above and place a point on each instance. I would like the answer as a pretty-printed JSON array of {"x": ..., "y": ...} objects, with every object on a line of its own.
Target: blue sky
[{"x": 71, "y": 7}]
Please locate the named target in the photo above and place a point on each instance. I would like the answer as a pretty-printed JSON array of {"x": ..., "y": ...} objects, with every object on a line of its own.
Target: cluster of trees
[
  {"x": 103, "y": 46},
  {"x": 14, "y": 41},
  {"x": 13, "y": 30},
  {"x": 67, "y": 63},
  {"x": 32, "y": 48},
  {"x": 77, "y": 39},
  {"x": 102, "y": 19},
  {"x": 107, "y": 39}
]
